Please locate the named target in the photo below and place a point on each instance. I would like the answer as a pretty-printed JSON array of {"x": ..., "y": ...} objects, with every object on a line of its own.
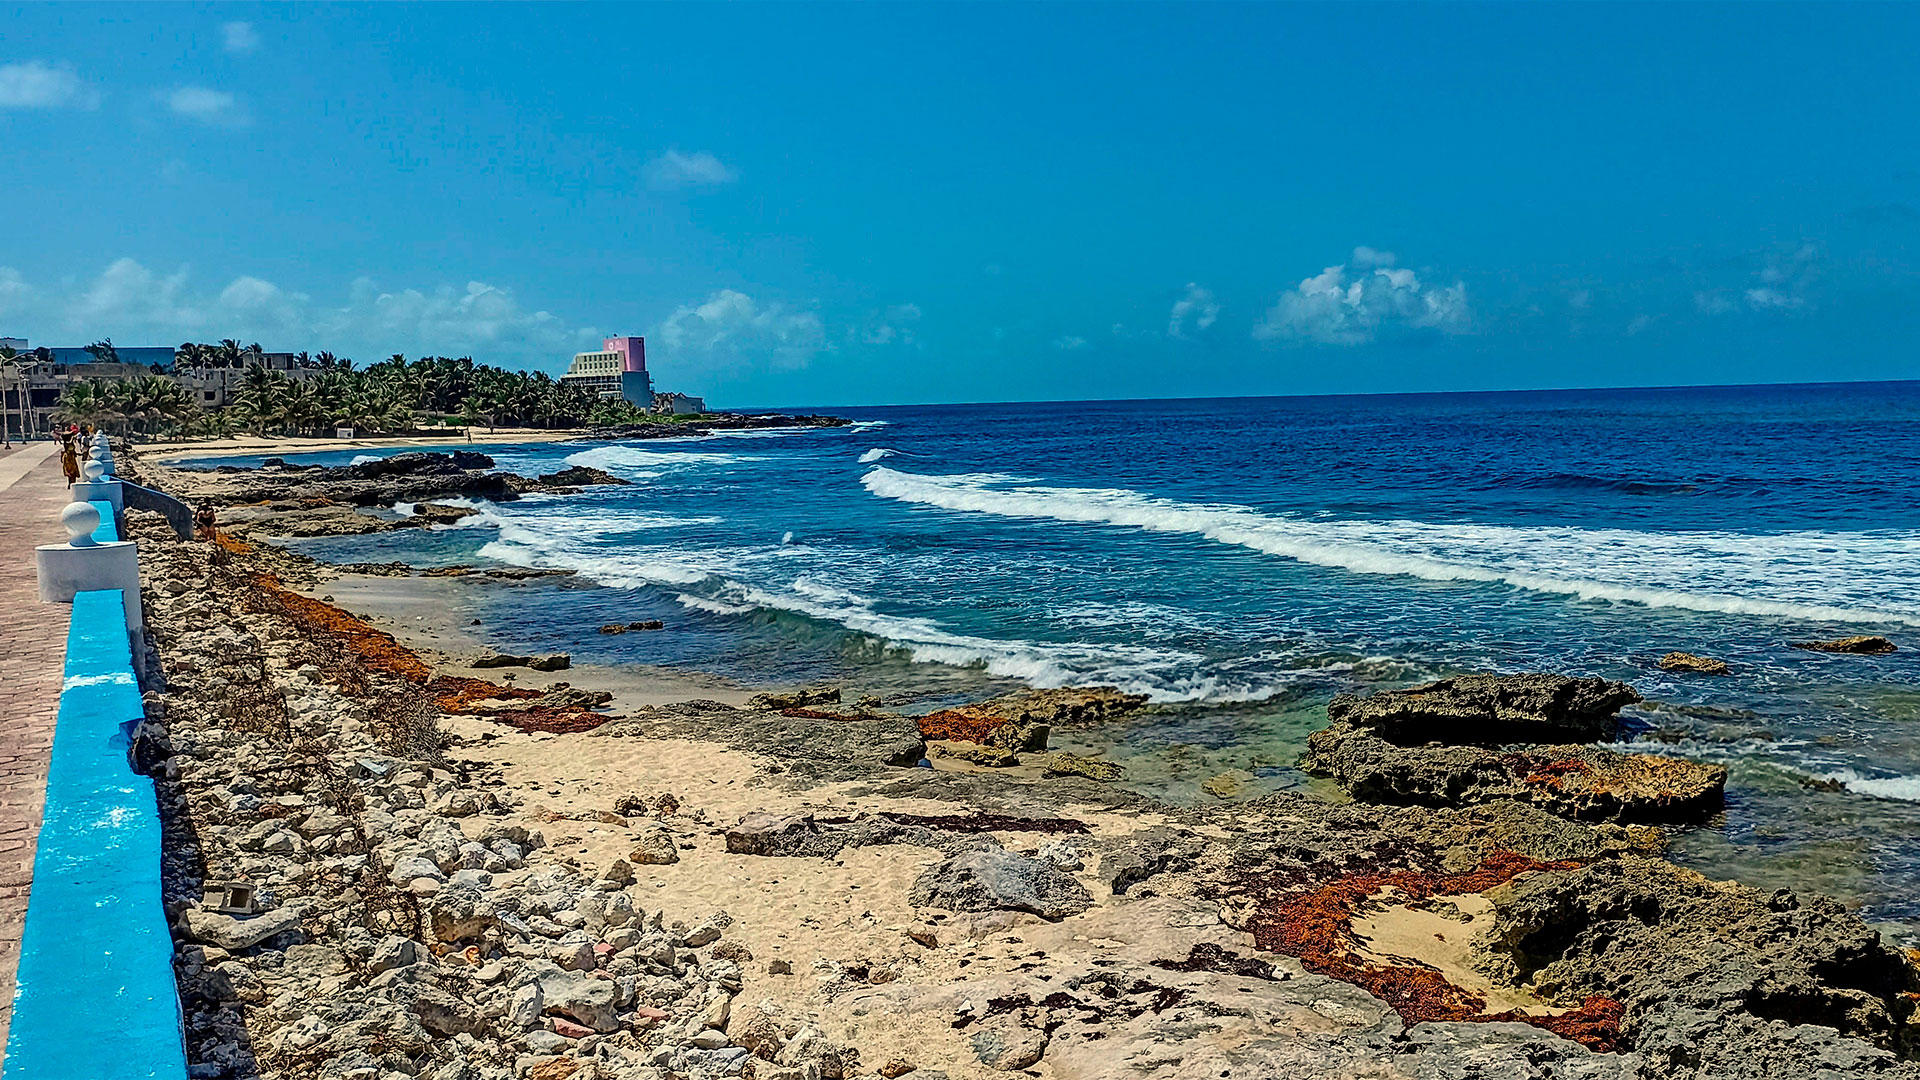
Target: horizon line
[{"x": 1342, "y": 394}]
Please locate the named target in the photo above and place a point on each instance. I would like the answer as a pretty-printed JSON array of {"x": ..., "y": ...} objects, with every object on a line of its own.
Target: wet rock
[
  {"x": 233, "y": 934},
  {"x": 555, "y": 662},
  {"x": 1490, "y": 710},
  {"x": 1688, "y": 662},
  {"x": 995, "y": 879},
  {"x": 1227, "y": 784},
  {"x": 1582, "y": 782},
  {"x": 1025, "y": 720},
  {"x": 1859, "y": 645},
  {"x": 1058, "y": 764},
  {"x": 575, "y": 476},
  {"x": 500, "y": 660},
  {"x": 624, "y": 628}
]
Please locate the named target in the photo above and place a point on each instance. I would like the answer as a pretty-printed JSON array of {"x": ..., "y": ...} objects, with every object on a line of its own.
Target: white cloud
[
  {"x": 239, "y": 38},
  {"x": 894, "y": 326},
  {"x": 1362, "y": 302},
  {"x": 1070, "y": 343},
  {"x": 1197, "y": 308},
  {"x": 731, "y": 327},
  {"x": 35, "y": 84},
  {"x": 1781, "y": 283},
  {"x": 207, "y": 106},
  {"x": 16, "y": 296},
  {"x": 673, "y": 170},
  {"x": 1767, "y": 296},
  {"x": 133, "y": 304}
]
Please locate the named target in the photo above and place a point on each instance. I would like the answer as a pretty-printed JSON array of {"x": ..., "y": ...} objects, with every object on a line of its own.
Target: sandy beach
[{"x": 284, "y": 444}]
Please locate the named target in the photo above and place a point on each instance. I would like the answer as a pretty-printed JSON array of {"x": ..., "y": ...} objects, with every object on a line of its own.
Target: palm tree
[
  {"x": 86, "y": 402},
  {"x": 103, "y": 352},
  {"x": 260, "y": 398}
]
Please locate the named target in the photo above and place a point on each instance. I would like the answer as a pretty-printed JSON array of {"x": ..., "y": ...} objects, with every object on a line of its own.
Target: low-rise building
[
  {"x": 617, "y": 370},
  {"x": 678, "y": 404}
]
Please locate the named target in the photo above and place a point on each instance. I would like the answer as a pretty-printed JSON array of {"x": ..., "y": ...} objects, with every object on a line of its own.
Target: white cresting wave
[
  {"x": 1903, "y": 788},
  {"x": 786, "y": 577},
  {"x": 623, "y": 460},
  {"x": 1828, "y": 577},
  {"x": 876, "y": 454}
]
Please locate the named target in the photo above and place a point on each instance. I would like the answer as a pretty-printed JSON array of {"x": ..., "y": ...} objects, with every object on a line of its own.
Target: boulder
[
  {"x": 1859, "y": 645},
  {"x": 231, "y": 934},
  {"x": 994, "y": 879},
  {"x": 1008, "y": 1047},
  {"x": 461, "y": 911},
  {"x": 1490, "y": 710},
  {"x": 580, "y": 997},
  {"x": 654, "y": 847}
]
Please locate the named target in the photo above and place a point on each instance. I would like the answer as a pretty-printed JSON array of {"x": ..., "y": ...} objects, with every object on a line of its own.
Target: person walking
[{"x": 70, "y": 454}]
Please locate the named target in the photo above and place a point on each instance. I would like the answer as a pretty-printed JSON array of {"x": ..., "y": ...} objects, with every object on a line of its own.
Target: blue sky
[{"x": 809, "y": 204}]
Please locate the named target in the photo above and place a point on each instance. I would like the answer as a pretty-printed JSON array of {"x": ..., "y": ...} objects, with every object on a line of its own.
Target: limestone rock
[
  {"x": 654, "y": 847},
  {"x": 580, "y": 997},
  {"x": 1490, "y": 710},
  {"x": 1688, "y": 662},
  {"x": 1582, "y": 782},
  {"x": 1058, "y": 764},
  {"x": 1860, "y": 645},
  {"x": 234, "y": 934},
  {"x": 991, "y": 757},
  {"x": 1227, "y": 784},
  {"x": 1007, "y": 1047},
  {"x": 994, "y": 879}
]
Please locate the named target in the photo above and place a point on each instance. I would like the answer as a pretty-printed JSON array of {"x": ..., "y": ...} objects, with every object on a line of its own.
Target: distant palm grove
[{"x": 323, "y": 392}]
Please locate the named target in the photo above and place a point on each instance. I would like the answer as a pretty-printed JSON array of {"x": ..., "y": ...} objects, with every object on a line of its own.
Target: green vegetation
[{"x": 325, "y": 392}]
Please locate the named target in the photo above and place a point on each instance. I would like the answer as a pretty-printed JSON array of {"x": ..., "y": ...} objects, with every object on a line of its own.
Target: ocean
[{"x": 1240, "y": 561}]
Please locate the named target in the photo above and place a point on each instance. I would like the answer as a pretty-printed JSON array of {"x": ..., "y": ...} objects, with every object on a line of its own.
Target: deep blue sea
[{"x": 1240, "y": 561}]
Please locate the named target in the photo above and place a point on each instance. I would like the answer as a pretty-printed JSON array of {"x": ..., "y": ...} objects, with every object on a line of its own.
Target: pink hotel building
[{"x": 619, "y": 369}]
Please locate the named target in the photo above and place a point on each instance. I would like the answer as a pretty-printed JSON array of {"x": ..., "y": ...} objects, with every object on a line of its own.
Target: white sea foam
[
  {"x": 1837, "y": 577},
  {"x": 868, "y": 425},
  {"x": 362, "y": 459},
  {"x": 624, "y": 460},
  {"x": 1903, "y": 788},
  {"x": 876, "y": 454},
  {"x": 718, "y": 607}
]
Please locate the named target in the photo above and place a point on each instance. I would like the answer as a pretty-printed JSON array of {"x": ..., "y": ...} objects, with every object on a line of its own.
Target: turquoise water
[{"x": 1240, "y": 561}]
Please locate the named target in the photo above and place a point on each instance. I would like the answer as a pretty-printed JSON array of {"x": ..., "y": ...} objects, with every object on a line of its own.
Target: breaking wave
[
  {"x": 624, "y": 460},
  {"x": 1902, "y": 788},
  {"x": 876, "y": 454},
  {"x": 1828, "y": 577}
]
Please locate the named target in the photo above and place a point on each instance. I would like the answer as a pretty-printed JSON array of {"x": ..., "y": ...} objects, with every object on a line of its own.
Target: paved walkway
[{"x": 34, "y": 637}]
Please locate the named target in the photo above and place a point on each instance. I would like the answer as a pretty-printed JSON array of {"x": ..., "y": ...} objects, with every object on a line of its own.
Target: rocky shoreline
[{"x": 458, "y": 879}]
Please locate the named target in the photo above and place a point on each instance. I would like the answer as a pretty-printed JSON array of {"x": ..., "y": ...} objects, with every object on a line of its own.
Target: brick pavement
[{"x": 32, "y": 653}]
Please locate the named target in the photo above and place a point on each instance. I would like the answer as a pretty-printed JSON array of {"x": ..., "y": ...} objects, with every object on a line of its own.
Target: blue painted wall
[
  {"x": 109, "y": 530},
  {"x": 96, "y": 998}
]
